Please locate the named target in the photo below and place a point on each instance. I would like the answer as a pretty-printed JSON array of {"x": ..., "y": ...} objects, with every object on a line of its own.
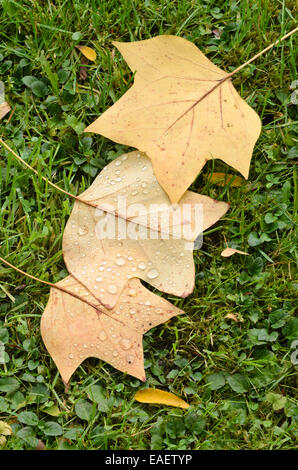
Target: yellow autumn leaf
[
  {"x": 154, "y": 395},
  {"x": 222, "y": 179},
  {"x": 232, "y": 316},
  {"x": 5, "y": 429},
  {"x": 89, "y": 53}
]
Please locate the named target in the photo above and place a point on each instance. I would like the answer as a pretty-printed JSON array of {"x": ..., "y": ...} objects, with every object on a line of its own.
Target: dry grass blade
[
  {"x": 182, "y": 111},
  {"x": 4, "y": 109},
  {"x": 231, "y": 251}
]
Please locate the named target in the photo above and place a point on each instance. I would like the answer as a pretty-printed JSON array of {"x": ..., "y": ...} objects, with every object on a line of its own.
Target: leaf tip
[
  {"x": 88, "y": 128},
  {"x": 89, "y": 53}
]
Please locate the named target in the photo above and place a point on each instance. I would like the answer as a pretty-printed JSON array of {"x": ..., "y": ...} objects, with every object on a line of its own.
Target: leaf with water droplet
[
  {"x": 130, "y": 234},
  {"x": 160, "y": 397},
  {"x": 89, "y": 53},
  {"x": 222, "y": 179},
  {"x": 73, "y": 330}
]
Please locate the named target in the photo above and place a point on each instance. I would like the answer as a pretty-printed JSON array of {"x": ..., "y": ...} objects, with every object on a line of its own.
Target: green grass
[{"x": 237, "y": 376}]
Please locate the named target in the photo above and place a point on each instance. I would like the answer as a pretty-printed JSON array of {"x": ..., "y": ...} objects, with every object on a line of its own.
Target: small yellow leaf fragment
[
  {"x": 222, "y": 179},
  {"x": 153, "y": 395},
  {"x": 89, "y": 53},
  {"x": 73, "y": 330},
  {"x": 231, "y": 251},
  {"x": 4, "y": 109},
  {"x": 5, "y": 429},
  {"x": 52, "y": 411}
]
